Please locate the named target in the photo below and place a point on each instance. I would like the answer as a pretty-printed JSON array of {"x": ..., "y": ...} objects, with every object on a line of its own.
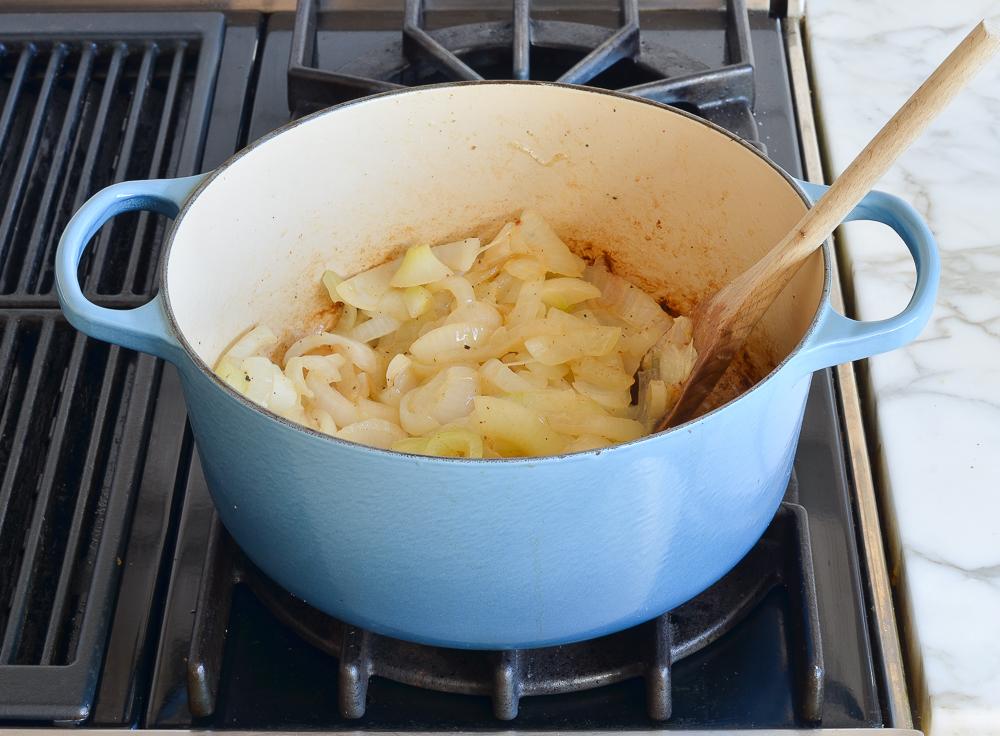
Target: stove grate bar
[
  {"x": 14, "y": 91},
  {"x": 132, "y": 282},
  {"x": 623, "y": 44},
  {"x": 724, "y": 94},
  {"x": 522, "y": 39},
  {"x": 782, "y": 558},
  {"x": 85, "y": 182},
  {"x": 738, "y": 36},
  {"x": 417, "y": 43},
  {"x": 18, "y": 608},
  {"x": 78, "y": 108},
  {"x": 95, "y": 260},
  {"x": 712, "y": 87},
  {"x": 306, "y": 82},
  {"x": 87, "y": 109},
  {"x": 28, "y": 146},
  {"x": 41, "y": 231}
]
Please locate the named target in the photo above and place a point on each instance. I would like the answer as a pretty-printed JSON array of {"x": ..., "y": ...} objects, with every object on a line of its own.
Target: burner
[
  {"x": 781, "y": 558},
  {"x": 526, "y": 48}
]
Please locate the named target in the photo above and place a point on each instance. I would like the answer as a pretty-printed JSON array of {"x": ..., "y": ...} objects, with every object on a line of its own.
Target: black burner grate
[
  {"x": 783, "y": 557},
  {"x": 523, "y": 47},
  {"x": 80, "y": 108}
]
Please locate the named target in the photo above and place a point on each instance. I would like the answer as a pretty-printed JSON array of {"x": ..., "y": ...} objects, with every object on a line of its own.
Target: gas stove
[{"x": 123, "y": 602}]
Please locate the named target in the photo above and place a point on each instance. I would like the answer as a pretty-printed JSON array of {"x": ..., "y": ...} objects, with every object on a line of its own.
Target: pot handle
[
  {"x": 144, "y": 328},
  {"x": 839, "y": 339}
]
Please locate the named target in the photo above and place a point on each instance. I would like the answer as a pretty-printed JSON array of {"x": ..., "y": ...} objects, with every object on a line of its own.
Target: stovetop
[{"x": 122, "y": 601}]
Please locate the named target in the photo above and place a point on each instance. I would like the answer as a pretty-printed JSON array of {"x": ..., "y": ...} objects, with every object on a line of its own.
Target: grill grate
[
  {"x": 78, "y": 115},
  {"x": 54, "y": 446},
  {"x": 782, "y": 558},
  {"x": 523, "y": 47},
  {"x": 79, "y": 109}
]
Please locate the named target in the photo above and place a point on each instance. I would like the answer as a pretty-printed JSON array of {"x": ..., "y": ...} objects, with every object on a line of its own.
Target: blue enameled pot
[{"x": 489, "y": 553}]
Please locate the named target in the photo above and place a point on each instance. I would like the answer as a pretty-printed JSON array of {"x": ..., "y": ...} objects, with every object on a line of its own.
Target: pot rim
[{"x": 211, "y": 176}]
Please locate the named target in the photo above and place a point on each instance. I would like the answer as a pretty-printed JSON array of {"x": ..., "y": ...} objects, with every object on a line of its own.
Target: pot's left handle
[
  {"x": 839, "y": 339},
  {"x": 144, "y": 328}
]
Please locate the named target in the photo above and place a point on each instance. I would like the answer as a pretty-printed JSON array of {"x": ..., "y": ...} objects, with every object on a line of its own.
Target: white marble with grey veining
[{"x": 936, "y": 402}]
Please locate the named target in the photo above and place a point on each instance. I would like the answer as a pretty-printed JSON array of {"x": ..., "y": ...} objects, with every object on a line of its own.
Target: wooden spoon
[{"x": 723, "y": 322}]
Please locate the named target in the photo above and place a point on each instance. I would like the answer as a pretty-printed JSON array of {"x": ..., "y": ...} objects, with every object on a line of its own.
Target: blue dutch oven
[{"x": 489, "y": 553}]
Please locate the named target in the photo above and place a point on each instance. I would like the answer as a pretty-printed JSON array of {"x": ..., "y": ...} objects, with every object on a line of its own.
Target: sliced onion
[
  {"x": 326, "y": 367},
  {"x": 411, "y": 445},
  {"x": 459, "y": 288},
  {"x": 419, "y": 266},
  {"x": 492, "y": 256},
  {"x": 348, "y": 318},
  {"x": 267, "y": 385},
  {"x": 369, "y": 409},
  {"x": 477, "y": 313},
  {"x": 587, "y": 442},
  {"x": 460, "y": 255},
  {"x": 654, "y": 402},
  {"x": 608, "y": 398},
  {"x": 444, "y": 344},
  {"x": 353, "y": 384},
  {"x": 455, "y": 443},
  {"x": 324, "y": 422},
  {"x": 357, "y": 352},
  {"x": 529, "y": 303},
  {"x": 555, "y": 349},
  {"x": 676, "y": 362},
  {"x": 331, "y": 281},
  {"x": 365, "y": 289},
  {"x": 532, "y": 234},
  {"x": 526, "y": 268},
  {"x": 378, "y": 326},
  {"x": 548, "y": 372},
  {"x": 616, "y": 429},
  {"x": 397, "y": 366},
  {"x": 682, "y": 331},
  {"x": 565, "y": 292},
  {"x": 393, "y": 304},
  {"x": 417, "y": 300},
  {"x": 374, "y": 432},
  {"x": 515, "y": 426},
  {"x": 332, "y": 401},
  {"x": 255, "y": 342},
  {"x": 446, "y": 397},
  {"x": 496, "y": 361},
  {"x": 230, "y": 372},
  {"x": 506, "y": 380},
  {"x": 605, "y": 372},
  {"x": 626, "y": 300}
]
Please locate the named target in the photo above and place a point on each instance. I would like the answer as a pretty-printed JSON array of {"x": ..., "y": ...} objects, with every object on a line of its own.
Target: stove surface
[{"x": 171, "y": 94}]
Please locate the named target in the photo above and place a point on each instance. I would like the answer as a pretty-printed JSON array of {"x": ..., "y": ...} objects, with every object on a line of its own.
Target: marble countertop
[{"x": 936, "y": 403}]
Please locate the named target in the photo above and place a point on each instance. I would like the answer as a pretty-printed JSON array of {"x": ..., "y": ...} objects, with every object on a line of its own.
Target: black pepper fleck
[{"x": 467, "y": 347}]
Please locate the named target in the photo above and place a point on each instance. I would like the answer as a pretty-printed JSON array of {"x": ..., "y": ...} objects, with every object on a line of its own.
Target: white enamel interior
[{"x": 680, "y": 207}]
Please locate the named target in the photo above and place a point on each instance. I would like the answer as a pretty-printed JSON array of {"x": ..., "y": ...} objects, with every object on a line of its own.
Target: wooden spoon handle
[
  {"x": 723, "y": 322},
  {"x": 895, "y": 137}
]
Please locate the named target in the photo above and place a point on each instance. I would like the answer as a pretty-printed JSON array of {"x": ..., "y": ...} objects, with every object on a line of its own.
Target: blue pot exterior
[{"x": 495, "y": 554}]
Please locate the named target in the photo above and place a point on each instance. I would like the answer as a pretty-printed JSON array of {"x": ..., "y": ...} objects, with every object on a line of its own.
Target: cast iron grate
[
  {"x": 85, "y": 100},
  {"x": 80, "y": 112},
  {"x": 523, "y": 47},
  {"x": 783, "y": 557}
]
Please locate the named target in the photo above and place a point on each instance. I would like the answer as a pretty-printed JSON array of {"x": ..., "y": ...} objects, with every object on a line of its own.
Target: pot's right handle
[
  {"x": 144, "y": 328},
  {"x": 839, "y": 339}
]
